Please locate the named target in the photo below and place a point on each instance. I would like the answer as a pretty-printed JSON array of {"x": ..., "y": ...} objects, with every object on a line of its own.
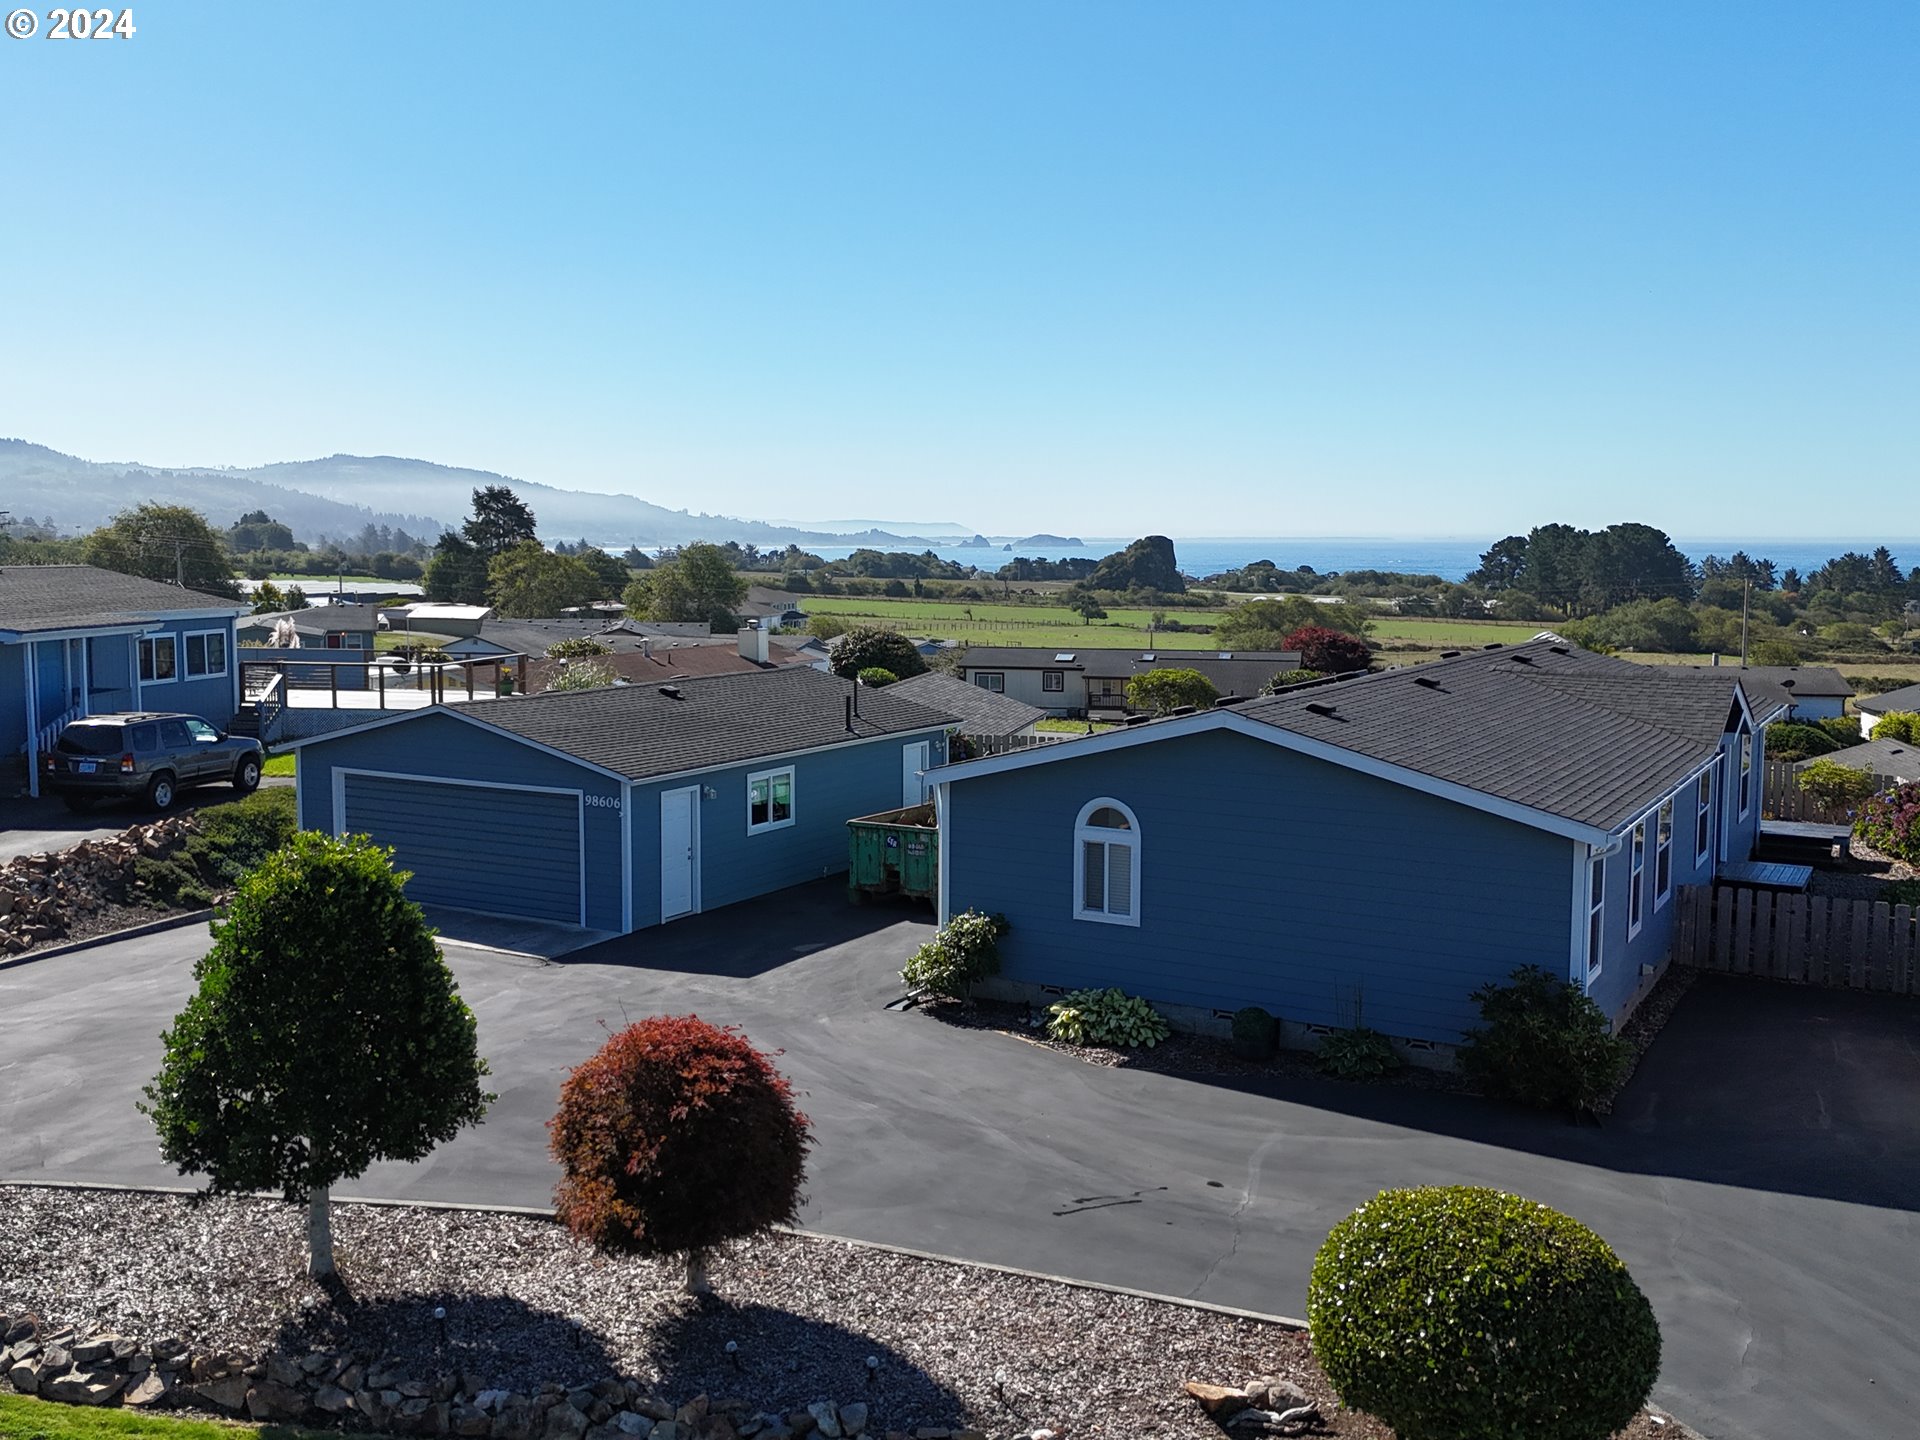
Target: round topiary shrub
[
  {"x": 676, "y": 1137},
  {"x": 1890, "y": 823},
  {"x": 1462, "y": 1313}
]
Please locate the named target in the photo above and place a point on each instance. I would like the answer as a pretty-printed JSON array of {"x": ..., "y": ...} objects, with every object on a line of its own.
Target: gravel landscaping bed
[{"x": 957, "y": 1345}]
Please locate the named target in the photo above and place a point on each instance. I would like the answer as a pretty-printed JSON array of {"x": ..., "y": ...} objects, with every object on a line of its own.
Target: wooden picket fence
[
  {"x": 1807, "y": 939},
  {"x": 1781, "y": 797},
  {"x": 1006, "y": 744}
]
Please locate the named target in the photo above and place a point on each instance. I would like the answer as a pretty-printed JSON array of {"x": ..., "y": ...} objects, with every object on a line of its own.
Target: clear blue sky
[{"x": 1202, "y": 269}]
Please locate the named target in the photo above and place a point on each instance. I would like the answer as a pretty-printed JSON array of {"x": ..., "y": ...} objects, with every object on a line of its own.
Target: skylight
[{"x": 1065, "y": 657}]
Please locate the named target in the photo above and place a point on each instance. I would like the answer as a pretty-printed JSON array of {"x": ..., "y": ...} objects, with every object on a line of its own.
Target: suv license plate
[{"x": 85, "y": 767}]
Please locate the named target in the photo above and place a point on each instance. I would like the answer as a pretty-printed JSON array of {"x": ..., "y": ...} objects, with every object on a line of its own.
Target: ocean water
[{"x": 1451, "y": 559}]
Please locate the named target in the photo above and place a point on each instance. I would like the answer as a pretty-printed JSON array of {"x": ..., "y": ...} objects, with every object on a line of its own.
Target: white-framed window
[
  {"x": 770, "y": 800},
  {"x": 1053, "y": 681},
  {"x": 159, "y": 659},
  {"x": 1746, "y": 769},
  {"x": 1663, "y": 855},
  {"x": 1703, "y": 817},
  {"x": 1636, "y": 873},
  {"x": 1106, "y": 864},
  {"x": 206, "y": 654},
  {"x": 993, "y": 680},
  {"x": 1596, "y": 917}
]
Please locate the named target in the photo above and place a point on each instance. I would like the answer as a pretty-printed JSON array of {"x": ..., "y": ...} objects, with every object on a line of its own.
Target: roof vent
[
  {"x": 1181, "y": 710},
  {"x": 1449, "y": 654},
  {"x": 672, "y": 692},
  {"x": 1559, "y": 649},
  {"x": 1319, "y": 707},
  {"x": 1494, "y": 646},
  {"x": 1426, "y": 680},
  {"x": 1519, "y": 659},
  {"x": 1133, "y": 720},
  {"x": 1225, "y": 700}
]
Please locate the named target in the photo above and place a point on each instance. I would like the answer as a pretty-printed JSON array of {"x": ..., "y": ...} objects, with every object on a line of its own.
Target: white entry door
[
  {"x": 679, "y": 852},
  {"x": 914, "y": 758}
]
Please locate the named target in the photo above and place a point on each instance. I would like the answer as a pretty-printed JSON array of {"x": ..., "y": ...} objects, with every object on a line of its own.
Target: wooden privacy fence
[
  {"x": 1781, "y": 797},
  {"x": 1808, "y": 939}
]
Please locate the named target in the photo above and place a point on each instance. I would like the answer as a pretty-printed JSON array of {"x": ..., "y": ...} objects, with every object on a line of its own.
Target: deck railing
[{"x": 378, "y": 675}]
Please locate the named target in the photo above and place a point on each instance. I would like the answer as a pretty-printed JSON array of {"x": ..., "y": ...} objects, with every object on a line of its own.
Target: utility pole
[
  {"x": 1746, "y": 594},
  {"x": 179, "y": 567}
]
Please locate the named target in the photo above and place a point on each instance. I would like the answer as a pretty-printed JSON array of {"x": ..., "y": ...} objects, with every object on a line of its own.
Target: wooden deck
[{"x": 1767, "y": 875}]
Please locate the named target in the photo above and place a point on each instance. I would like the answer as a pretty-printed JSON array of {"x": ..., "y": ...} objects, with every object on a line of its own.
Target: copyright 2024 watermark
[{"x": 103, "y": 24}]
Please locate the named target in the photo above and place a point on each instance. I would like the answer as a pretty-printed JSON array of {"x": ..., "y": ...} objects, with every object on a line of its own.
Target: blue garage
[{"x": 628, "y": 806}]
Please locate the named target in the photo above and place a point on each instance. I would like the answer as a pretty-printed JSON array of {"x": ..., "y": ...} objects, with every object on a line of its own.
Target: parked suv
[{"x": 150, "y": 754}]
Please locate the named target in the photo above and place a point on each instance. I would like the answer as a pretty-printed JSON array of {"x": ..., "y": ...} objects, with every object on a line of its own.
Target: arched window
[{"x": 1106, "y": 864}]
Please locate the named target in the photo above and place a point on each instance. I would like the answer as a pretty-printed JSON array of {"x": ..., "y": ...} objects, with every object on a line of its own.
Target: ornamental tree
[
  {"x": 1161, "y": 692},
  {"x": 1461, "y": 1313},
  {"x": 870, "y": 647},
  {"x": 1331, "y": 652},
  {"x": 326, "y": 1033},
  {"x": 1903, "y": 725},
  {"x": 676, "y": 1138}
]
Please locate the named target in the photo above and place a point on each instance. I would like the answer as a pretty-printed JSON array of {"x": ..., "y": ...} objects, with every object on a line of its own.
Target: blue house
[
  {"x": 77, "y": 640},
  {"x": 626, "y": 806},
  {"x": 1367, "y": 851}
]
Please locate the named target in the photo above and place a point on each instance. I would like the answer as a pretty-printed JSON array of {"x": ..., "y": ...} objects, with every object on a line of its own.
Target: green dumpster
[{"x": 896, "y": 852}]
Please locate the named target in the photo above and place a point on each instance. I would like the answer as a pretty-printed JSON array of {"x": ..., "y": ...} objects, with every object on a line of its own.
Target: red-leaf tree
[
  {"x": 677, "y": 1137},
  {"x": 1328, "y": 651}
]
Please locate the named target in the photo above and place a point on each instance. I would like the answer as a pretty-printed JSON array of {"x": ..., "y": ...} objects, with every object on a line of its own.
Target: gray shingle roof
[
  {"x": 979, "y": 711},
  {"x": 642, "y": 731},
  {"x": 1236, "y": 672},
  {"x": 36, "y": 598},
  {"x": 1797, "y": 680},
  {"x": 1907, "y": 697},
  {"x": 1879, "y": 757},
  {"x": 1585, "y": 737}
]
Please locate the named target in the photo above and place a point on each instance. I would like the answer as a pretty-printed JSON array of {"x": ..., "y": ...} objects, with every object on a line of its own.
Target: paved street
[{"x": 1760, "y": 1180}]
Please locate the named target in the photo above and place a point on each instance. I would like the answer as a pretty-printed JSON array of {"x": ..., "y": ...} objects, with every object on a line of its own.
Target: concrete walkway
[{"x": 1761, "y": 1179}]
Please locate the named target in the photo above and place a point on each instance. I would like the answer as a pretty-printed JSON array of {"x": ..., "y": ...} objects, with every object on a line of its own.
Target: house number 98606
[{"x": 603, "y": 802}]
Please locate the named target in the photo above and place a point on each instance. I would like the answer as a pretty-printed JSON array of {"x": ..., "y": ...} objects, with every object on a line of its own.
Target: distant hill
[{"x": 339, "y": 495}]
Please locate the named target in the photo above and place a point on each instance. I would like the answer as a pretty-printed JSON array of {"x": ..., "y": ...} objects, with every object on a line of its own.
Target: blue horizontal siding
[
  {"x": 211, "y": 698},
  {"x": 830, "y": 788},
  {"x": 1267, "y": 878},
  {"x": 434, "y": 744}
]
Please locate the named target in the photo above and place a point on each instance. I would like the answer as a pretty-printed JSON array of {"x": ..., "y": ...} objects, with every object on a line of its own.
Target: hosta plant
[
  {"x": 1106, "y": 1017},
  {"x": 1357, "y": 1054}
]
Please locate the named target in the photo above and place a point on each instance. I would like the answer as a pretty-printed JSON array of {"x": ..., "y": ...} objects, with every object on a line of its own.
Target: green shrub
[
  {"x": 1788, "y": 742},
  {"x": 1255, "y": 1033},
  {"x": 578, "y": 647},
  {"x": 1890, "y": 823},
  {"x": 1901, "y": 892},
  {"x": 1462, "y": 1313},
  {"x": 876, "y": 676},
  {"x": 964, "y": 950},
  {"x": 1843, "y": 729},
  {"x": 170, "y": 884},
  {"x": 230, "y": 839},
  {"x": 1902, "y": 725},
  {"x": 1544, "y": 1044},
  {"x": 1834, "y": 782},
  {"x": 1357, "y": 1054},
  {"x": 1106, "y": 1017}
]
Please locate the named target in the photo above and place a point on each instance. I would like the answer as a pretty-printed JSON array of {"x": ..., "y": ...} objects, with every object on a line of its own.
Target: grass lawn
[
  {"x": 1072, "y": 727},
  {"x": 385, "y": 640},
  {"x": 24, "y": 1418},
  {"x": 278, "y": 765}
]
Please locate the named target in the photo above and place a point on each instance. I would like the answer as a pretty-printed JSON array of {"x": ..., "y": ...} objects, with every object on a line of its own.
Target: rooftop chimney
[{"x": 753, "y": 642}]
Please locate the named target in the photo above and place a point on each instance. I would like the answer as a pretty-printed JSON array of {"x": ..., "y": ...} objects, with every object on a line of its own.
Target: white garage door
[{"x": 479, "y": 847}]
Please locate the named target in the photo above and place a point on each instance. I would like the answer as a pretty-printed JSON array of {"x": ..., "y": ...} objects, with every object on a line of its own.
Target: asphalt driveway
[
  {"x": 1761, "y": 1178},
  {"x": 29, "y": 826}
]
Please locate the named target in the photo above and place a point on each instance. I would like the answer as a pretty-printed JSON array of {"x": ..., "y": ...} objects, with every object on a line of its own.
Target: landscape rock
[
  {"x": 469, "y": 1420},
  {"x": 629, "y": 1422},
  {"x": 565, "y": 1422},
  {"x": 227, "y": 1392},
  {"x": 271, "y": 1400},
  {"x": 826, "y": 1417},
  {"x": 1219, "y": 1401},
  {"x": 853, "y": 1419},
  {"x": 333, "y": 1400},
  {"x": 25, "y": 1377},
  {"x": 149, "y": 1389},
  {"x": 84, "y": 1387}
]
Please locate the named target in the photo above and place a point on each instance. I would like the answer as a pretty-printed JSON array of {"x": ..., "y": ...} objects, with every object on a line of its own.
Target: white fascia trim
[
  {"x": 341, "y": 772},
  {"x": 1582, "y": 891},
  {"x": 456, "y": 712},
  {"x": 778, "y": 758},
  {"x": 626, "y": 858},
  {"x": 211, "y": 612},
  {"x": 1209, "y": 720},
  {"x": 75, "y": 632}
]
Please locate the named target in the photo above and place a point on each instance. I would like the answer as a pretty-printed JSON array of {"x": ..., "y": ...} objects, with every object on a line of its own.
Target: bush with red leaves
[
  {"x": 1328, "y": 651},
  {"x": 677, "y": 1137}
]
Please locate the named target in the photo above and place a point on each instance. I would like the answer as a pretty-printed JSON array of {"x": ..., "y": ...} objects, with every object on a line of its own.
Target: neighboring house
[
  {"x": 660, "y": 660},
  {"x": 779, "y": 609},
  {"x": 533, "y": 637},
  {"x": 435, "y": 618},
  {"x": 322, "y": 589},
  {"x": 1367, "y": 851},
  {"x": 982, "y": 715},
  {"x": 1814, "y": 692},
  {"x": 1876, "y": 707},
  {"x": 1083, "y": 682},
  {"x": 78, "y": 640},
  {"x": 324, "y": 627},
  {"x": 626, "y": 806},
  {"x": 1895, "y": 759}
]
